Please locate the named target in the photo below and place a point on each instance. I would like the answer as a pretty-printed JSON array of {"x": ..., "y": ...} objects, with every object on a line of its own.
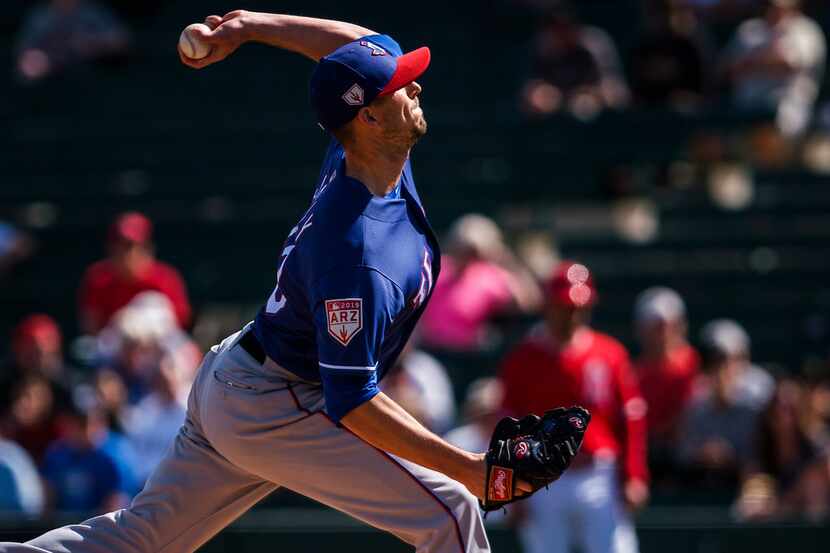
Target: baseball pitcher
[{"x": 292, "y": 399}]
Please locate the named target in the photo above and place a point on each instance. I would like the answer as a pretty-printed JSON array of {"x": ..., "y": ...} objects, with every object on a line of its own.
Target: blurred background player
[
  {"x": 563, "y": 361},
  {"x": 130, "y": 268}
]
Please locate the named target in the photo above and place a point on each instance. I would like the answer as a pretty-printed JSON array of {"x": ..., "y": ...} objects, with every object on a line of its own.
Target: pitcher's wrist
[{"x": 472, "y": 473}]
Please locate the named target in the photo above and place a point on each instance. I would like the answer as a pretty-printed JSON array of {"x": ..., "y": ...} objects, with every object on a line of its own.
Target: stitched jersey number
[{"x": 276, "y": 300}]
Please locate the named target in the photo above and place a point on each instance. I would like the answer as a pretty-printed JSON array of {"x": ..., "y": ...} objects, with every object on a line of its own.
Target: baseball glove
[{"x": 535, "y": 450}]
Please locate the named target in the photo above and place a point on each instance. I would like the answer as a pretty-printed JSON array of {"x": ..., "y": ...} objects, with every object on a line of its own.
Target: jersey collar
[{"x": 355, "y": 193}]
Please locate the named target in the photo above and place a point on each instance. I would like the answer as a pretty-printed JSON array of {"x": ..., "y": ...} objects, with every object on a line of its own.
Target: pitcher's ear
[{"x": 367, "y": 116}]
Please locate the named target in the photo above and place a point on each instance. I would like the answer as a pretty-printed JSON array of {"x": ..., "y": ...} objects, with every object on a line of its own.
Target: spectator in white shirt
[
  {"x": 420, "y": 383},
  {"x": 154, "y": 422},
  {"x": 21, "y": 490},
  {"x": 776, "y": 62},
  {"x": 725, "y": 339}
]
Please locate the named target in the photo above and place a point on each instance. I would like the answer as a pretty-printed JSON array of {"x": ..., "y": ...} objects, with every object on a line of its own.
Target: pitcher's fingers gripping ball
[
  {"x": 191, "y": 44},
  {"x": 532, "y": 450}
]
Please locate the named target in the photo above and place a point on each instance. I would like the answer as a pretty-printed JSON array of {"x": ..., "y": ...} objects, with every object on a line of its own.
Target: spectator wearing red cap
[
  {"x": 37, "y": 347},
  {"x": 564, "y": 361},
  {"x": 669, "y": 373},
  {"x": 131, "y": 268},
  {"x": 34, "y": 385}
]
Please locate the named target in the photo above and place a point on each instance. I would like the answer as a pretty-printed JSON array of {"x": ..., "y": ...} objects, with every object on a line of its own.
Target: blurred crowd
[
  {"x": 773, "y": 62},
  {"x": 85, "y": 439},
  {"x": 679, "y": 419},
  {"x": 763, "y": 60},
  {"x": 64, "y": 34},
  {"x": 682, "y": 420},
  {"x": 758, "y": 63}
]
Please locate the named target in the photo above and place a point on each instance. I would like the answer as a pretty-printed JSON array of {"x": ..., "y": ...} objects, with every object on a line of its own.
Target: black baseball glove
[{"x": 535, "y": 450}]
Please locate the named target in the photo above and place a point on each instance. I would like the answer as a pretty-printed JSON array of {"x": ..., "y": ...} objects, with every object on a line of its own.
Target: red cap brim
[{"x": 410, "y": 66}]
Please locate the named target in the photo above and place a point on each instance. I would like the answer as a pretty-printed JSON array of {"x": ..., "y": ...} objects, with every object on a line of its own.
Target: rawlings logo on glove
[
  {"x": 535, "y": 450},
  {"x": 501, "y": 484}
]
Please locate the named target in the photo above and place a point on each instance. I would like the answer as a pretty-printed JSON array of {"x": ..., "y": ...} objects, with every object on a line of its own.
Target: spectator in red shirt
[
  {"x": 565, "y": 362},
  {"x": 668, "y": 370},
  {"x": 131, "y": 268}
]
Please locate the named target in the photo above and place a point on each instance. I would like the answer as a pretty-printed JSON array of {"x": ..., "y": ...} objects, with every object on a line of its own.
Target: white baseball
[{"x": 190, "y": 43}]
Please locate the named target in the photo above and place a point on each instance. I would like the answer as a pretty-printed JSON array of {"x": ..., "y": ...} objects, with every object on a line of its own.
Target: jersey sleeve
[
  {"x": 385, "y": 41},
  {"x": 353, "y": 311}
]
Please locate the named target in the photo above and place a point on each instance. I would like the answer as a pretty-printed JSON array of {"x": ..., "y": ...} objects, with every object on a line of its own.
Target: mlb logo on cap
[
  {"x": 354, "y": 96},
  {"x": 376, "y": 50},
  {"x": 355, "y": 74}
]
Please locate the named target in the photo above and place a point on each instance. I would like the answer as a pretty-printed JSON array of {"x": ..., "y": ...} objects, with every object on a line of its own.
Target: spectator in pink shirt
[{"x": 479, "y": 279}]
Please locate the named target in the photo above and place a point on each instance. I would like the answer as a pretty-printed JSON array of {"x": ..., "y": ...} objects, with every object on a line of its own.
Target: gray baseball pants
[{"x": 249, "y": 430}]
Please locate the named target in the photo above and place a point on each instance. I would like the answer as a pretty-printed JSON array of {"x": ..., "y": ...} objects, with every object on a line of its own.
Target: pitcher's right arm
[{"x": 309, "y": 36}]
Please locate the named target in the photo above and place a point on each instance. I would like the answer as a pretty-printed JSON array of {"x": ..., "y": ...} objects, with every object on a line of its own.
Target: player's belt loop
[{"x": 251, "y": 345}]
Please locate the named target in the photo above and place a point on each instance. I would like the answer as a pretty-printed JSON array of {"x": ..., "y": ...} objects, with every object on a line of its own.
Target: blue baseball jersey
[{"x": 352, "y": 281}]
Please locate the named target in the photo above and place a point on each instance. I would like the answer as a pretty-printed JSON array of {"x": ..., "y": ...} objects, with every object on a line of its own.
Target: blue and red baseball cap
[{"x": 355, "y": 74}]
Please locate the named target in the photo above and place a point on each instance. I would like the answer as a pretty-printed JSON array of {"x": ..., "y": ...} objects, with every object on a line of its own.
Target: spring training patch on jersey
[{"x": 345, "y": 318}]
